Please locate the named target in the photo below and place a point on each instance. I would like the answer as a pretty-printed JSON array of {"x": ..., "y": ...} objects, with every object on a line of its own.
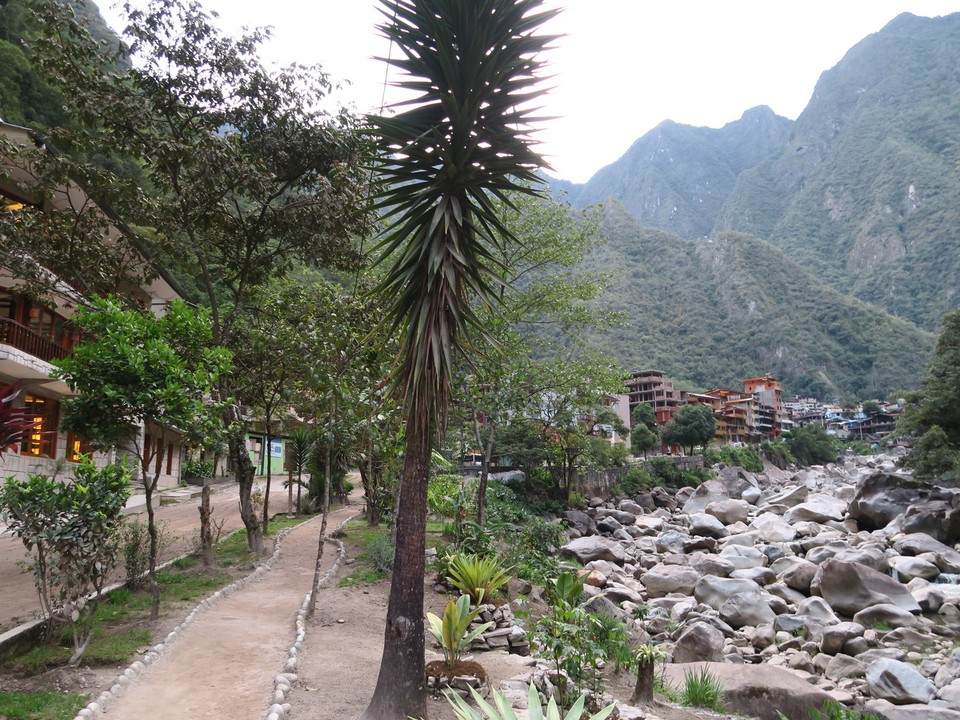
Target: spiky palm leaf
[
  {"x": 15, "y": 422},
  {"x": 462, "y": 140},
  {"x": 449, "y": 152}
]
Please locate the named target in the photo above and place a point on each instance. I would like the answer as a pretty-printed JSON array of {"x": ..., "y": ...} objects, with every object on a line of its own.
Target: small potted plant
[{"x": 453, "y": 633}]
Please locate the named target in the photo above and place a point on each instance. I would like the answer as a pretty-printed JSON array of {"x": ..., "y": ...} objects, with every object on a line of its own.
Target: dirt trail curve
[{"x": 223, "y": 664}]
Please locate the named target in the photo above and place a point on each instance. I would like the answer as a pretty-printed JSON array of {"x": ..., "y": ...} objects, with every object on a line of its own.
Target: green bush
[
  {"x": 380, "y": 553},
  {"x": 635, "y": 480},
  {"x": 473, "y": 539},
  {"x": 197, "y": 469},
  {"x": 136, "y": 552},
  {"x": 531, "y": 548},
  {"x": 578, "y": 644},
  {"x": 666, "y": 473},
  {"x": 566, "y": 589},
  {"x": 777, "y": 453},
  {"x": 811, "y": 445},
  {"x": 447, "y": 497},
  {"x": 745, "y": 457},
  {"x": 308, "y": 505},
  {"x": 610, "y": 634},
  {"x": 832, "y": 710}
]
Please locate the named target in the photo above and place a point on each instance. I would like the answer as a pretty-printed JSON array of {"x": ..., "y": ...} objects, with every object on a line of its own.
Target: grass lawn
[
  {"x": 40, "y": 705},
  {"x": 374, "y": 553}
]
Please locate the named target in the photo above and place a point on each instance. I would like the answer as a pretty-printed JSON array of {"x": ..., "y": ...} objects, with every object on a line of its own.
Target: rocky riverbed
[{"x": 835, "y": 582}]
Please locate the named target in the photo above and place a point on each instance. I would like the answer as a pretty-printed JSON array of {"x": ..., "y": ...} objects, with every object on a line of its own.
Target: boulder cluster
[{"x": 843, "y": 575}]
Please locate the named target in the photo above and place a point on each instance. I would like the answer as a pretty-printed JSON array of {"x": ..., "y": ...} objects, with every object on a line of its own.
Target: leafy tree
[
  {"x": 452, "y": 147},
  {"x": 645, "y": 432},
  {"x": 644, "y": 414},
  {"x": 642, "y": 440},
  {"x": 267, "y": 358},
  {"x": 542, "y": 307},
  {"x": 138, "y": 375},
  {"x": 551, "y": 432},
  {"x": 811, "y": 445},
  {"x": 870, "y": 407},
  {"x": 690, "y": 426},
  {"x": 932, "y": 413},
  {"x": 245, "y": 173},
  {"x": 299, "y": 448},
  {"x": 72, "y": 530}
]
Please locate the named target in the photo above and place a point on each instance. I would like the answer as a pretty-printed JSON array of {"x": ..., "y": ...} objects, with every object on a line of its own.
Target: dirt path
[
  {"x": 223, "y": 664},
  {"x": 341, "y": 659}
]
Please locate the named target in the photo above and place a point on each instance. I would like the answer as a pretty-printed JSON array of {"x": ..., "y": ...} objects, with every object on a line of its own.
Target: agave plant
[
  {"x": 501, "y": 710},
  {"x": 451, "y": 631},
  {"x": 476, "y": 576}
]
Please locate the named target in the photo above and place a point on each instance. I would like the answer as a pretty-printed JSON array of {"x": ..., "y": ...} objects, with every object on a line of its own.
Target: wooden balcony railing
[{"x": 22, "y": 338}]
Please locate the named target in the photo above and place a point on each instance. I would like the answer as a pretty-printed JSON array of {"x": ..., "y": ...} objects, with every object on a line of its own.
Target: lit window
[
  {"x": 41, "y": 440},
  {"x": 9, "y": 204},
  {"x": 77, "y": 446}
]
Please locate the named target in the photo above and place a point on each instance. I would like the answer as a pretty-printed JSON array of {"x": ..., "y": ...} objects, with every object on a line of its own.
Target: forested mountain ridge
[
  {"x": 862, "y": 189},
  {"x": 859, "y": 195},
  {"x": 715, "y": 310},
  {"x": 25, "y": 99},
  {"x": 678, "y": 177},
  {"x": 866, "y": 192}
]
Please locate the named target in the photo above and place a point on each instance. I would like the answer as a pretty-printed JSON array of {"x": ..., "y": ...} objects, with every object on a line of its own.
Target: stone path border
[
  {"x": 138, "y": 667},
  {"x": 283, "y": 682}
]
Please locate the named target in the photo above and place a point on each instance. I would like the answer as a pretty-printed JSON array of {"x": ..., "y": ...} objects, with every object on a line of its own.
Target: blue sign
[{"x": 276, "y": 448}]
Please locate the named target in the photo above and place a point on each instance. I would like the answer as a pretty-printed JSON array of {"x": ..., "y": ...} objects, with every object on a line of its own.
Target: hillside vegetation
[
  {"x": 714, "y": 311},
  {"x": 865, "y": 193}
]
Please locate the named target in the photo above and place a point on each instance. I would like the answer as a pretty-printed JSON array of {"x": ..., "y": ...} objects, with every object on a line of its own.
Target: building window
[
  {"x": 8, "y": 305},
  {"x": 77, "y": 446},
  {"x": 41, "y": 440}
]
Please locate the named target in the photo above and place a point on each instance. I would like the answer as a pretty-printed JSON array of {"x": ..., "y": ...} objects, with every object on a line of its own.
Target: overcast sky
[{"x": 623, "y": 66}]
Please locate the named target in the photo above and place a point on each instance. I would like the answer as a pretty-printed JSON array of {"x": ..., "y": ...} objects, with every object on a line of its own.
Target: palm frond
[{"x": 460, "y": 141}]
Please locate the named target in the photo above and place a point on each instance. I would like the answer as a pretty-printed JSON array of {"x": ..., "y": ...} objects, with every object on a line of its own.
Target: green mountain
[
  {"x": 857, "y": 204},
  {"x": 25, "y": 99},
  {"x": 866, "y": 192},
  {"x": 713, "y": 311},
  {"x": 678, "y": 177}
]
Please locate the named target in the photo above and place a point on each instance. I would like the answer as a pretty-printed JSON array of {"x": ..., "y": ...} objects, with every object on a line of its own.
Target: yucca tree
[{"x": 460, "y": 140}]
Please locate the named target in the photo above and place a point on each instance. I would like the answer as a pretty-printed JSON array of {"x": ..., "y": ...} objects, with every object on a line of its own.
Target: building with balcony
[
  {"x": 771, "y": 415},
  {"x": 35, "y": 330},
  {"x": 653, "y": 388}
]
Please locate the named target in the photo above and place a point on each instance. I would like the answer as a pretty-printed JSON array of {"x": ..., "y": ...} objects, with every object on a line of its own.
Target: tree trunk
[
  {"x": 243, "y": 468},
  {"x": 312, "y": 606},
  {"x": 79, "y": 647},
  {"x": 206, "y": 527},
  {"x": 266, "y": 493},
  {"x": 485, "y": 468},
  {"x": 290, "y": 491},
  {"x": 401, "y": 691},
  {"x": 148, "y": 487},
  {"x": 299, "y": 488},
  {"x": 643, "y": 692}
]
